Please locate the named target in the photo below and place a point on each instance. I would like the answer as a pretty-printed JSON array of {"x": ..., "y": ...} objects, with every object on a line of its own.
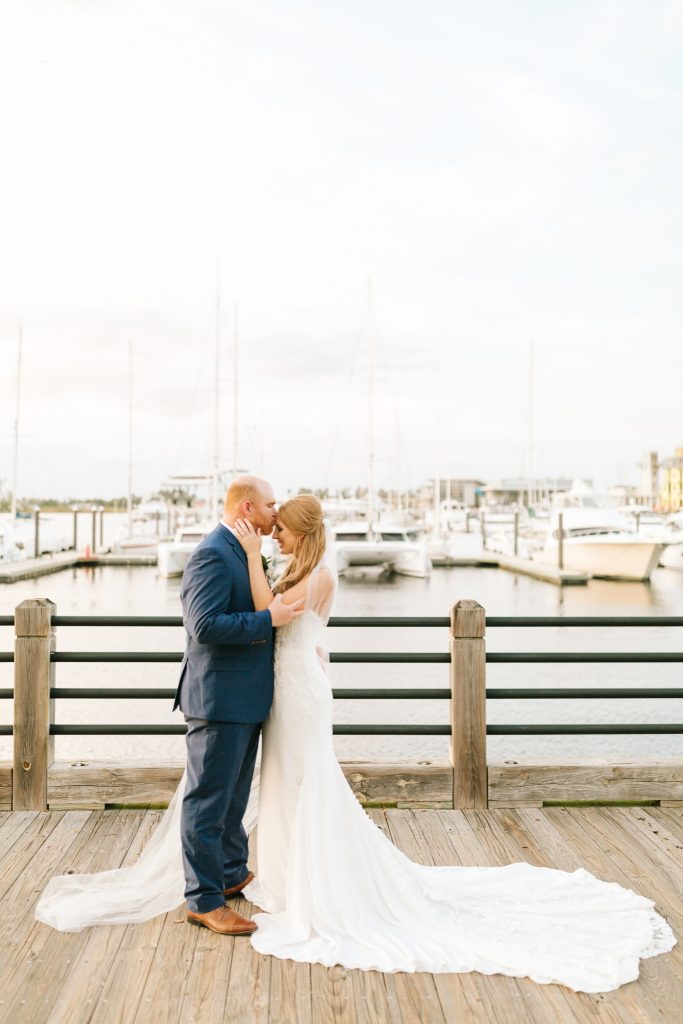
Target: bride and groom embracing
[{"x": 331, "y": 886}]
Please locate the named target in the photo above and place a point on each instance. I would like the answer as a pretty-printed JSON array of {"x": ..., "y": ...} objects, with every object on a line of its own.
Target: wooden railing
[{"x": 35, "y": 781}]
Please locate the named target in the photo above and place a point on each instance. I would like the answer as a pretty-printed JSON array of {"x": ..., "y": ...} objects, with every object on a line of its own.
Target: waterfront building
[
  {"x": 516, "y": 490},
  {"x": 670, "y": 478}
]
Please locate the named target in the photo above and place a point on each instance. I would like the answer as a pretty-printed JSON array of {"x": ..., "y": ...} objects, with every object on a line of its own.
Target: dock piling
[
  {"x": 34, "y": 747},
  {"x": 36, "y": 531},
  {"x": 560, "y": 541},
  {"x": 468, "y": 705}
]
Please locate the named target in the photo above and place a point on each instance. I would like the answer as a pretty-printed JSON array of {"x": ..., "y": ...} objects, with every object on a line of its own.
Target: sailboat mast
[
  {"x": 216, "y": 392},
  {"x": 15, "y": 471},
  {"x": 530, "y": 486},
  {"x": 130, "y": 439},
  {"x": 371, "y": 407},
  {"x": 439, "y": 442},
  {"x": 235, "y": 427}
]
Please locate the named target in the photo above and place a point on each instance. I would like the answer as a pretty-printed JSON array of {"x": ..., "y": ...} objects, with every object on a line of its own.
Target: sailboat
[
  {"x": 140, "y": 536},
  {"x": 17, "y": 529},
  {"x": 173, "y": 554},
  {"x": 376, "y": 542}
]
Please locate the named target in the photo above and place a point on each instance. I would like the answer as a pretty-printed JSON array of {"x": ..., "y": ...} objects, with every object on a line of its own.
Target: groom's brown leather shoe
[
  {"x": 224, "y": 921},
  {"x": 235, "y": 890}
]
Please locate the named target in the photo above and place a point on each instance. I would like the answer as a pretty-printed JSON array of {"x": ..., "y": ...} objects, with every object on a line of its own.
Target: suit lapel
[{"x": 234, "y": 544}]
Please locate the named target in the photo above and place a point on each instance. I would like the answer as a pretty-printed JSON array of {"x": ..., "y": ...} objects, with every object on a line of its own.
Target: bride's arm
[{"x": 261, "y": 593}]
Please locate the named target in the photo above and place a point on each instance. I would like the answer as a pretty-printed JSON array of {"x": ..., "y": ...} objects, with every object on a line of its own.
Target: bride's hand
[{"x": 249, "y": 538}]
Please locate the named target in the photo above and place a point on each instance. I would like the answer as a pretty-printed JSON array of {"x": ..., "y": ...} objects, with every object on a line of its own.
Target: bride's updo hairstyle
[{"x": 302, "y": 515}]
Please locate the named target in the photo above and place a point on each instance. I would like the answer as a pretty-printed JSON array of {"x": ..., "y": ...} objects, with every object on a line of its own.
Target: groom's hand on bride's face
[{"x": 282, "y": 613}]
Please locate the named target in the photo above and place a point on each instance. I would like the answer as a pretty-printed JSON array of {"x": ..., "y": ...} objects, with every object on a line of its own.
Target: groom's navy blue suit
[{"x": 225, "y": 692}]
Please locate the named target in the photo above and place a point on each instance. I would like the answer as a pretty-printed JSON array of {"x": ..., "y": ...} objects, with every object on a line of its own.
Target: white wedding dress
[{"x": 335, "y": 890}]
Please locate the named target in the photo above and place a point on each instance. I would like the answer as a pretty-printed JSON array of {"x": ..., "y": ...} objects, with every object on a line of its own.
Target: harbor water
[{"x": 140, "y": 591}]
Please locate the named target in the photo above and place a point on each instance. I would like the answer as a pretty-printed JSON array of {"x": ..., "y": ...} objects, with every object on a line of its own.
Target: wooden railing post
[
  {"x": 33, "y": 710},
  {"x": 468, "y": 705}
]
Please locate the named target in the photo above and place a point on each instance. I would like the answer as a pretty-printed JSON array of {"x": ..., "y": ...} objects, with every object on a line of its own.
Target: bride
[{"x": 333, "y": 889}]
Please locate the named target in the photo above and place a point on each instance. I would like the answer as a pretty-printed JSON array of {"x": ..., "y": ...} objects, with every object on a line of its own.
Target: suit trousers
[{"x": 220, "y": 766}]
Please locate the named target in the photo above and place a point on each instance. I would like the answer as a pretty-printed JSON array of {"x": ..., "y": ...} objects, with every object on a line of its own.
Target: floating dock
[
  {"x": 32, "y": 568},
  {"x": 542, "y": 571},
  {"x": 515, "y": 563}
]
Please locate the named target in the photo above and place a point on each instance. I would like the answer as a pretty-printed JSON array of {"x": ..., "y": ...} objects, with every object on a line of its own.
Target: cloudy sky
[{"x": 508, "y": 174}]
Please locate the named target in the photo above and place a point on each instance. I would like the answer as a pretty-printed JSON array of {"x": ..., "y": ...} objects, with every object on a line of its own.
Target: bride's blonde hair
[{"x": 302, "y": 515}]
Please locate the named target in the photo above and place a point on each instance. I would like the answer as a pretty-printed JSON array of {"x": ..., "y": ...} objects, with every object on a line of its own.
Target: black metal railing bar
[
  {"x": 436, "y": 621},
  {"x": 385, "y": 693}
]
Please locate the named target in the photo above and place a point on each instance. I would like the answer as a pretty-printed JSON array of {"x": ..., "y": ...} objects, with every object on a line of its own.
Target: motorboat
[
  {"x": 173, "y": 554},
  {"x": 672, "y": 556},
  {"x": 137, "y": 544},
  {"x": 666, "y": 529},
  {"x": 598, "y": 541},
  {"x": 395, "y": 547},
  {"x": 143, "y": 535}
]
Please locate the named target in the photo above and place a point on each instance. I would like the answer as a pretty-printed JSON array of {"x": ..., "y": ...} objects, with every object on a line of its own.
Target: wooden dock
[
  {"x": 33, "y": 568},
  {"x": 165, "y": 971},
  {"x": 543, "y": 571}
]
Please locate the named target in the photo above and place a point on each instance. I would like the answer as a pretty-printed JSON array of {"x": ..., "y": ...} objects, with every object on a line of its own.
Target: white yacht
[
  {"x": 666, "y": 529},
  {"x": 598, "y": 541},
  {"x": 395, "y": 547},
  {"x": 173, "y": 554}
]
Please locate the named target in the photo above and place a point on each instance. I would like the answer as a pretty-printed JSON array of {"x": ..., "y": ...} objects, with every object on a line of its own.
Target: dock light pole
[
  {"x": 36, "y": 531},
  {"x": 94, "y": 528}
]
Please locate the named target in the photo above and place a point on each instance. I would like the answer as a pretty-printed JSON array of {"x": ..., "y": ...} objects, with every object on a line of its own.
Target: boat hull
[
  {"x": 172, "y": 558},
  {"x": 612, "y": 560},
  {"x": 401, "y": 558},
  {"x": 672, "y": 557}
]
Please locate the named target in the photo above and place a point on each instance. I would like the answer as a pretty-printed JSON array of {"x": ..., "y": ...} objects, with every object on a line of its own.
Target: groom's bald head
[{"x": 249, "y": 497}]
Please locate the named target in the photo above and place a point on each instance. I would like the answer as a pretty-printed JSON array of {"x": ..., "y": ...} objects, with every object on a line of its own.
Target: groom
[{"x": 225, "y": 692}]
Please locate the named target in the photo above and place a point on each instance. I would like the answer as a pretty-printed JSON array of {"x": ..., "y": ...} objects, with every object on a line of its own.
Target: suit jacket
[{"x": 227, "y": 671}]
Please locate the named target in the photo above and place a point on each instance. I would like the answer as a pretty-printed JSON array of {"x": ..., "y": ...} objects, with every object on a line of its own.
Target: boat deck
[{"x": 166, "y": 971}]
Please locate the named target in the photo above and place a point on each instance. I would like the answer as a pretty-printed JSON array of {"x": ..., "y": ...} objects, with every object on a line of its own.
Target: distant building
[
  {"x": 625, "y": 494},
  {"x": 670, "y": 477},
  {"x": 467, "y": 492},
  {"x": 516, "y": 490}
]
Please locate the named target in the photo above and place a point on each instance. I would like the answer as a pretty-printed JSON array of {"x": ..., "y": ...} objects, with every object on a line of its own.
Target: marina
[{"x": 139, "y": 591}]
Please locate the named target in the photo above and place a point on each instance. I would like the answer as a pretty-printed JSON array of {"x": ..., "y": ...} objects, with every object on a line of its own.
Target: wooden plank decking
[{"x": 164, "y": 971}]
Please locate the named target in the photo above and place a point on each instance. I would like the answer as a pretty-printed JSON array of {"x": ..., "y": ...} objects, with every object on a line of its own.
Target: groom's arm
[{"x": 206, "y": 591}]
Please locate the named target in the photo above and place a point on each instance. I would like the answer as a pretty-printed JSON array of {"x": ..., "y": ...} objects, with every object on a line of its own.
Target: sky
[{"x": 507, "y": 176}]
